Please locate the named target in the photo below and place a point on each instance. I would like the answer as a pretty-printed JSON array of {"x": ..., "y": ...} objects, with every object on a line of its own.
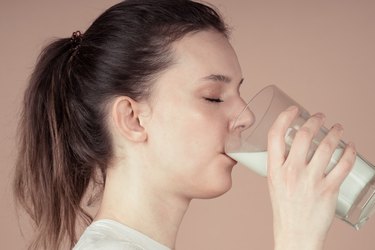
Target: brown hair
[{"x": 62, "y": 131}]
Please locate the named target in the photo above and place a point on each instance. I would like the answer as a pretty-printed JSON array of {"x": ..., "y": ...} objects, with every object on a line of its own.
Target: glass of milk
[{"x": 356, "y": 200}]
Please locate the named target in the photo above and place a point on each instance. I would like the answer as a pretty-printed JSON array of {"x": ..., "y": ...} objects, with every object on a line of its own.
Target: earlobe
[{"x": 126, "y": 118}]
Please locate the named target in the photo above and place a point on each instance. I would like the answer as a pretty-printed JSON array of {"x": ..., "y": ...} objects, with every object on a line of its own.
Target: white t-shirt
[{"x": 112, "y": 235}]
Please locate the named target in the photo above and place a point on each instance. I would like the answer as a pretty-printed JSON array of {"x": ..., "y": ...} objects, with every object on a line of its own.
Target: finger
[
  {"x": 343, "y": 167},
  {"x": 326, "y": 148},
  {"x": 276, "y": 134},
  {"x": 302, "y": 140}
]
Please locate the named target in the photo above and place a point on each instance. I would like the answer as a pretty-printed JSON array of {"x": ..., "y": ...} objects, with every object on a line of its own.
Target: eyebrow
[{"x": 220, "y": 78}]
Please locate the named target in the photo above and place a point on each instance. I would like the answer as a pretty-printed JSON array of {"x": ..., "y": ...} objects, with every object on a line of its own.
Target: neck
[{"x": 133, "y": 199}]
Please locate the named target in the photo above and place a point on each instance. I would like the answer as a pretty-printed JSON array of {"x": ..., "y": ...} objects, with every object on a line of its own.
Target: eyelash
[{"x": 215, "y": 100}]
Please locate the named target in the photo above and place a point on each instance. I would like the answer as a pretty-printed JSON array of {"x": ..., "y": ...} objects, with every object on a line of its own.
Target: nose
[{"x": 244, "y": 119}]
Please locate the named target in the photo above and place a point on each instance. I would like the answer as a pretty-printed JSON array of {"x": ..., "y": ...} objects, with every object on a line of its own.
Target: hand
[{"x": 303, "y": 197}]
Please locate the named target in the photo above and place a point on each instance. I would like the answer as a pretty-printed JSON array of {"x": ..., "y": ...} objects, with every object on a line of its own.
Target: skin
[
  {"x": 169, "y": 149},
  {"x": 303, "y": 197}
]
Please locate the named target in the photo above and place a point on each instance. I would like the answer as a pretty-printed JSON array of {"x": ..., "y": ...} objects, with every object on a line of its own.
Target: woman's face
[{"x": 194, "y": 104}]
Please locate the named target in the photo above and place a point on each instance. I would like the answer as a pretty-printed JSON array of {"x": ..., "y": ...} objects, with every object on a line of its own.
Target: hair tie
[{"x": 76, "y": 39}]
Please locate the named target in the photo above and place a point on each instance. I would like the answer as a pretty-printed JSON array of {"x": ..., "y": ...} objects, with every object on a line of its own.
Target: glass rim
[{"x": 256, "y": 120}]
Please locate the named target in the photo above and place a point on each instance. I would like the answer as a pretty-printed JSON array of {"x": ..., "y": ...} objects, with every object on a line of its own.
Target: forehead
[
  {"x": 197, "y": 56},
  {"x": 205, "y": 53}
]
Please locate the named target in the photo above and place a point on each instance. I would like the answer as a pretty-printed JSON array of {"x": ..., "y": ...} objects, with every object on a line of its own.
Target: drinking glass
[{"x": 356, "y": 199}]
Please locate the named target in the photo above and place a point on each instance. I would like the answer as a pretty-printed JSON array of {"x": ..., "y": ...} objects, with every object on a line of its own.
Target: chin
[
  {"x": 216, "y": 191},
  {"x": 220, "y": 186},
  {"x": 222, "y": 190},
  {"x": 216, "y": 181}
]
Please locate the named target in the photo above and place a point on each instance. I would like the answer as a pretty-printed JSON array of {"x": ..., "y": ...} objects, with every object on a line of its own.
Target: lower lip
[{"x": 234, "y": 162}]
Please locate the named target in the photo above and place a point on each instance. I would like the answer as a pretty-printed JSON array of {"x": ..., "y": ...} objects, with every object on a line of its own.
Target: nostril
[
  {"x": 247, "y": 119},
  {"x": 244, "y": 120}
]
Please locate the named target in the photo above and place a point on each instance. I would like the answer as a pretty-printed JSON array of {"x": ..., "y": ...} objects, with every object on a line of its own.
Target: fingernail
[
  {"x": 292, "y": 108},
  {"x": 338, "y": 126},
  {"x": 320, "y": 115}
]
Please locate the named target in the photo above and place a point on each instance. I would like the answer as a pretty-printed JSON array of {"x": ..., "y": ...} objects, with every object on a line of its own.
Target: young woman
[{"x": 139, "y": 106}]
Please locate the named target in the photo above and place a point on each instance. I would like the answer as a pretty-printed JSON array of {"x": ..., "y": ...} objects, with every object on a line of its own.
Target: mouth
[{"x": 234, "y": 162}]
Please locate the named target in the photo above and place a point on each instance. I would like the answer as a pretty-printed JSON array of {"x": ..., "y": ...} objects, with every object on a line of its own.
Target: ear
[{"x": 126, "y": 118}]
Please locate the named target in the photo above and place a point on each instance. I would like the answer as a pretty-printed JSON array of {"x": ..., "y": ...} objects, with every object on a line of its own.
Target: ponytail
[{"x": 57, "y": 148}]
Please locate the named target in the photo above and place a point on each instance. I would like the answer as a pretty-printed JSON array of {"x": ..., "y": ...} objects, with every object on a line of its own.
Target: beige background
[{"x": 320, "y": 52}]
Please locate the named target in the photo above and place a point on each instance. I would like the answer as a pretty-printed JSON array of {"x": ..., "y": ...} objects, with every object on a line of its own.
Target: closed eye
[{"x": 213, "y": 99}]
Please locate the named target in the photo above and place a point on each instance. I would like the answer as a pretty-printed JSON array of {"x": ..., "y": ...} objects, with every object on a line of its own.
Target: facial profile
[{"x": 192, "y": 107}]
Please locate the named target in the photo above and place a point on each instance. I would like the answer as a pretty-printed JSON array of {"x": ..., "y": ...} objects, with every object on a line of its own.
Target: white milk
[
  {"x": 350, "y": 189},
  {"x": 256, "y": 161}
]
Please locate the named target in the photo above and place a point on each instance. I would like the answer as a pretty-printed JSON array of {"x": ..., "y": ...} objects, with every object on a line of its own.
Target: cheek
[
  {"x": 186, "y": 145},
  {"x": 188, "y": 132}
]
